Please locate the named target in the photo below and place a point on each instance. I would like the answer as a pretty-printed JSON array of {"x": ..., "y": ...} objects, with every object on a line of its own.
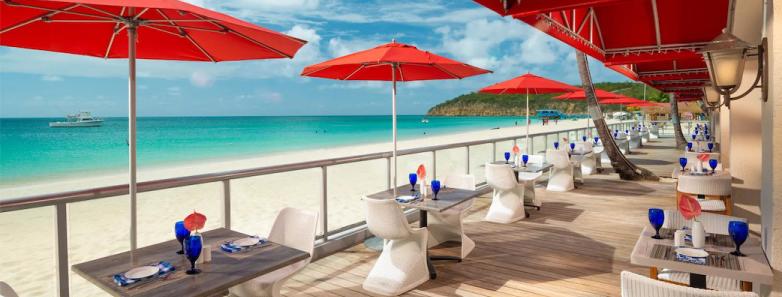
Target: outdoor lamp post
[{"x": 725, "y": 57}]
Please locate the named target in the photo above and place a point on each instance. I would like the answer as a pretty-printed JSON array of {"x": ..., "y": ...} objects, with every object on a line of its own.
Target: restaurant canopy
[{"x": 642, "y": 40}]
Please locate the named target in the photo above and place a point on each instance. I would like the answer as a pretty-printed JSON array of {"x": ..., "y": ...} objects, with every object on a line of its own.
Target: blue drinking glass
[
  {"x": 738, "y": 231},
  {"x": 584, "y": 138},
  {"x": 413, "y": 180},
  {"x": 556, "y": 145},
  {"x": 435, "y": 188},
  {"x": 711, "y": 146},
  {"x": 181, "y": 234},
  {"x": 656, "y": 218},
  {"x": 616, "y": 135},
  {"x": 708, "y": 137},
  {"x": 693, "y": 136},
  {"x": 713, "y": 164},
  {"x": 507, "y": 157},
  {"x": 689, "y": 146},
  {"x": 193, "y": 245},
  {"x": 683, "y": 162},
  {"x": 572, "y": 146},
  {"x": 524, "y": 158},
  {"x": 627, "y": 132},
  {"x": 596, "y": 139}
]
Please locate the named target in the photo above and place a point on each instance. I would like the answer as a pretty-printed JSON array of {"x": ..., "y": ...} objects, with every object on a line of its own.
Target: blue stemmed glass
[
  {"x": 507, "y": 157},
  {"x": 596, "y": 139},
  {"x": 413, "y": 180},
  {"x": 181, "y": 234},
  {"x": 683, "y": 162},
  {"x": 524, "y": 158},
  {"x": 711, "y": 146},
  {"x": 572, "y": 146},
  {"x": 584, "y": 138},
  {"x": 689, "y": 146},
  {"x": 627, "y": 131},
  {"x": 193, "y": 245},
  {"x": 693, "y": 136},
  {"x": 738, "y": 231},
  {"x": 656, "y": 218},
  {"x": 556, "y": 145},
  {"x": 616, "y": 135},
  {"x": 435, "y": 188},
  {"x": 708, "y": 137},
  {"x": 713, "y": 164}
]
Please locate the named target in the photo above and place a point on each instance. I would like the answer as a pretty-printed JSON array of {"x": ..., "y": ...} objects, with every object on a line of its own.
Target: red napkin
[
  {"x": 516, "y": 149},
  {"x": 195, "y": 221},
  {"x": 689, "y": 207},
  {"x": 703, "y": 157},
  {"x": 421, "y": 172}
]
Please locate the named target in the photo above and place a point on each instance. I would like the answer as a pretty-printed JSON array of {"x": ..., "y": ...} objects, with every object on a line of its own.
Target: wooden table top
[
  {"x": 529, "y": 168},
  {"x": 224, "y": 271},
  {"x": 446, "y": 199},
  {"x": 754, "y": 267}
]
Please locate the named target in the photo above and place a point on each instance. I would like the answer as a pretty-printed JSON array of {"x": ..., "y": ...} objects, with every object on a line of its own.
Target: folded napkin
[
  {"x": 229, "y": 247},
  {"x": 407, "y": 199},
  {"x": 165, "y": 268}
]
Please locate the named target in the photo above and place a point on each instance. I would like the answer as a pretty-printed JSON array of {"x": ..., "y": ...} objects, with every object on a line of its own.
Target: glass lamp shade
[
  {"x": 726, "y": 67},
  {"x": 712, "y": 96}
]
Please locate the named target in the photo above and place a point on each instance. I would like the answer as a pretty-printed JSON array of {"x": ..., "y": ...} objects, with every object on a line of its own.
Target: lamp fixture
[{"x": 725, "y": 57}]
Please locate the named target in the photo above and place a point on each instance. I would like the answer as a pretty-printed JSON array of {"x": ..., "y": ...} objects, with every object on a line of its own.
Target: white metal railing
[{"x": 61, "y": 200}]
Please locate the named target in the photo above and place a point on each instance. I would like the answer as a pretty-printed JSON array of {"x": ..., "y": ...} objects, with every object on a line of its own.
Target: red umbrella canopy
[
  {"x": 581, "y": 95},
  {"x": 623, "y": 101},
  {"x": 529, "y": 84},
  {"x": 376, "y": 64},
  {"x": 645, "y": 104},
  {"x": 170, "y": 30}
]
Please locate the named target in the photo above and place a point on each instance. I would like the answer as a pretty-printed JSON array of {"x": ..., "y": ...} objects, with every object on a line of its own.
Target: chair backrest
[
  {"x": 712, "y": 222},
  {"x": 460, "y": 181},
  {"x": 634, "y": 285},
  {"x": 587, "y": 146},
  {"x": 385, "y": 219},
  {"x": 558, "y": 158},
  {"x": 500, "y": 177},
  {"x": 295, "y": 228},
  {"x": 536, "y": 159},
  {"x": 6, "y": 290}
]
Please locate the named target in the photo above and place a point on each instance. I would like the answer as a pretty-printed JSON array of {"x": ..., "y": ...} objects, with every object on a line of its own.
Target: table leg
[
  {"x": 746, "y": 286},
  {"x": 697, "y": 281},
  {"x": 423, "y": 221},
  {"x": 653, "y": 272}
]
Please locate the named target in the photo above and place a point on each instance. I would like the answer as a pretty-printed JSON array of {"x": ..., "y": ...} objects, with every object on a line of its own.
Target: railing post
[
  {"x": 388, "y": 171},
  {"x": 434, "y": 164},
  {"x": 468, "y": 158},
  {"x": 61, "y": 237},
  {"x": 227, "y": 203},
  {"x": 494, "y": 151},
  {"x": 324, "y": 203}
]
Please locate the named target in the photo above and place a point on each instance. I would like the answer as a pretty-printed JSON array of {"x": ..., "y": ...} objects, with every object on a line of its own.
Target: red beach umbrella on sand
[
  {"x": 529, "y": 84},
  {"x": 580, "y": 95},
  {"x": 137, "y": 29},
  {"x": 392, "y": 62}
]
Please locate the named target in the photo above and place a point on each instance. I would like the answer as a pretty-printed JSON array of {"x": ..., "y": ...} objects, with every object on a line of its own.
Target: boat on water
[{"x": 82, "y": 119}]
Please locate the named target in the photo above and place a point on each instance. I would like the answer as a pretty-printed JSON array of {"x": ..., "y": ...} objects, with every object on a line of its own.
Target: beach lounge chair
[
  {"x": 713, "y": 224},
  {"x": 6, "y": 290},
  {"x": 401, "y": 265},
  {"x": 634, "y": 285},
  {"x": 448, "y": 225},
  {"x": 293, "y": 228},
  {"x": 561, "y": 175},
  {"x": 507, "y": 204}
]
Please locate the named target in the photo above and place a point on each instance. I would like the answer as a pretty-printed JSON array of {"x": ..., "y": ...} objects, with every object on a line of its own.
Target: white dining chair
[
  {"x": 634, "y": 285},
  {"x": 507, "y": 204},
  {"x": 448, "y": 225},
  {"x": 561, "y": 174},
  {"x": 293, "y": 228},
  {"x": 589, "y": 161},
  {"x": 6, "y": 290},
  {"x": 713, "y": 224},
  {"x": 530, "y": 199},
  {"x": 401, "y": 265},
  {"x": 635, "y": 139}
]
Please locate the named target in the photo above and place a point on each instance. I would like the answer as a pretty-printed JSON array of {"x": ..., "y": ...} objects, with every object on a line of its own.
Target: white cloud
[
  {"x": 174, "y": 91},
  {"x": 339, "y": 47},
  {"x": 201, "y": 79}
]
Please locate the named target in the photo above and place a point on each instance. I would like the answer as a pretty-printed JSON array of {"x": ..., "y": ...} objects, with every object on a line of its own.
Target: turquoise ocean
[{"x": 31, "y": 151}]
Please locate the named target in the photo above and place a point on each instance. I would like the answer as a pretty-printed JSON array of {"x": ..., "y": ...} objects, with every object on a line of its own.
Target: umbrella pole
[
  {"x": 132, "y": 134},
  {"x": 526, "y": 148},
  {"x": 393, "y": 121}
]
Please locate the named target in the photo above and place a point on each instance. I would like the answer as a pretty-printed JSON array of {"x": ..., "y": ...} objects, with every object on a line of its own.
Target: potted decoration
[{"x": 421, "y": 172}]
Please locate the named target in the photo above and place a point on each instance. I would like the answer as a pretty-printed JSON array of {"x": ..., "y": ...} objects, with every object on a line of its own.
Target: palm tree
[
  {"x": 677, "y": 127},
  {"x": 626, "y": 169}
]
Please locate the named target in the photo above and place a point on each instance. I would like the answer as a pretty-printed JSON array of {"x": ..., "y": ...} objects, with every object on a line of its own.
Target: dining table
[
  {"x": 224, "y": 271},
  {"x": 707, "y": 185},
  {"x": 447, "y": 198},
  {"x": 660, "y": 253}
]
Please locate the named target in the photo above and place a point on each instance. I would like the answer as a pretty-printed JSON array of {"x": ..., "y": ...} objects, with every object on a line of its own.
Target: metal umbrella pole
[
  {"x": 132, "y": 133},
  {"x": 527, "y": 141},
  {"x": 393, "y": 121}
]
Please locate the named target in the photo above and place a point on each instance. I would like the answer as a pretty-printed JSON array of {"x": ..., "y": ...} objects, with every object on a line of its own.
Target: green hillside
[{"x": 479, "y": 104}]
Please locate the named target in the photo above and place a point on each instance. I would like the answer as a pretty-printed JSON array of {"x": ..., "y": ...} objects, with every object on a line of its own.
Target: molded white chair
[
  {"x": 402, "y": 265},
  {"x": 635, "y": 140},
  {"x": 712, "y": 223},
  {"x": 589, "y": 162},
  {"x": 561, "y": 175},
  {"x": 292, "y": 228},
  {"x": 507, "y": 203},
  {"x": 634, "y": 285},
  {"x": 448, "y": 225},
  {"x": 6, "y": 290}
]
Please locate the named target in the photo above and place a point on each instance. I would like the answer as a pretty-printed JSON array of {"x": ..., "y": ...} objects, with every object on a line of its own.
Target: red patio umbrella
[
  {"x": 526, "y": 84},
  {"x": 392, "y": 62},
  {"x": 581, "y": 95},
  {"x": 621, "y": 101},
  {"x": 143, "y": 29}
]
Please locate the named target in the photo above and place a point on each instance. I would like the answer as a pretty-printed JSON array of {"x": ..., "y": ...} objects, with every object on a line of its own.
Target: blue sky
[{"x": 42, "y": 84}]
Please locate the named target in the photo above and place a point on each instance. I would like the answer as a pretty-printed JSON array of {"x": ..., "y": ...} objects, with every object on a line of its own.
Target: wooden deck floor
[{"x": 575, "y": 246}]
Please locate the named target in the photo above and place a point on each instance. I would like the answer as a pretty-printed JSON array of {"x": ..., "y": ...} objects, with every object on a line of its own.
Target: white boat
[{"x": 82, "y": 119}]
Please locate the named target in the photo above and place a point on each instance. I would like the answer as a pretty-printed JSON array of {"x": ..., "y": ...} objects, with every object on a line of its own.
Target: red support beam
[
  {"x": 531, "y": 7},
  {"x": 674, "y": 76},
  {"x": 646, "y": 57}
]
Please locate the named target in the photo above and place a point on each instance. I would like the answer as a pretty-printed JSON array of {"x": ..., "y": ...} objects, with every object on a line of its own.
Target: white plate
[
  {"x": 247, "y": 241},
  {"x": 691, "y": 252},
  {"x": 142, "y": 272}
]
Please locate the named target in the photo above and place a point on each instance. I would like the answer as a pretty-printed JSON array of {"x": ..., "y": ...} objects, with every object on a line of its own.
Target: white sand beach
[{"x": 99, "y": 228}]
